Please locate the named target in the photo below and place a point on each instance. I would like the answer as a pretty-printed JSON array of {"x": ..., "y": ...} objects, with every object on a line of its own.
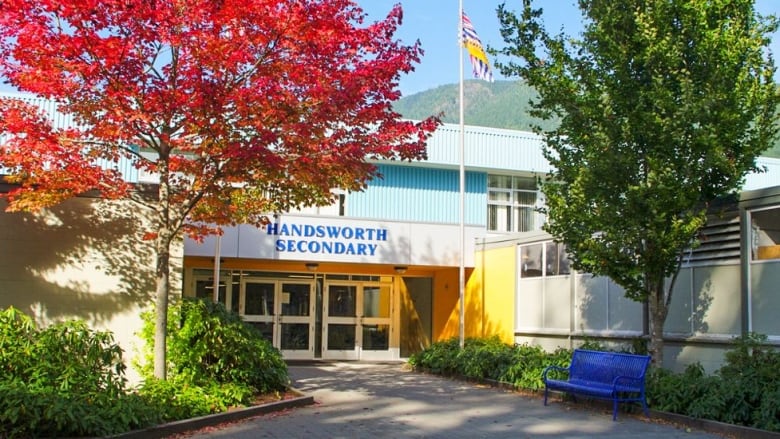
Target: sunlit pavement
[{"x": 360, "y": 400}]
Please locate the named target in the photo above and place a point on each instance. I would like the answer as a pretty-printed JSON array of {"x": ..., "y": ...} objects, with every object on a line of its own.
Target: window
[
  {"x": 556, "y": 260},
  {"x": 512, "y": 204},
  {"x": 228, "y": 287},
  {"x": 765, "y": 242},
  {"x": 531, "y": 260},
  {"x": 543, "y": 259},
  {"x": 337, "y": 208}
]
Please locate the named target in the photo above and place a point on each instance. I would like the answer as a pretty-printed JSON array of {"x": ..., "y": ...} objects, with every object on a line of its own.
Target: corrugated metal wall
[
  {"x": 488, "y": 148},
  {"x": 61, "y": 121},
  {"x": 429, "y": 191},
  {"x": 485, "y": 149},
  {"x": 509, "y": 150},
  {"x": 770, "y": 178},
  {"x": 414, "y": 193}
]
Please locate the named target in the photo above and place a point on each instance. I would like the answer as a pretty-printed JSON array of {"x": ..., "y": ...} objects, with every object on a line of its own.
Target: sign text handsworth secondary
[{"x": 327, "y": 239}]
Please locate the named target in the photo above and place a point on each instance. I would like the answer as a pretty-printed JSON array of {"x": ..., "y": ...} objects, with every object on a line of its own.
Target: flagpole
[
  {"x": 462, "y": 191},
  {"x": 217, "y": 261}
]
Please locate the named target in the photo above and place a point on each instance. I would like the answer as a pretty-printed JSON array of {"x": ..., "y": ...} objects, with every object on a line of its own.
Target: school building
[{"x": 376, "y": 275}]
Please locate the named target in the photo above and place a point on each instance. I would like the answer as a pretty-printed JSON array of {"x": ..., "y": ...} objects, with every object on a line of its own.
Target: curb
[
  {"x": 170, "y": 428},
  {"x": 730, "y": 430}
]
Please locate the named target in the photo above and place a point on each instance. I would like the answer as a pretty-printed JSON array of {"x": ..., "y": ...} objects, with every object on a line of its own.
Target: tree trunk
[
  {"x": 163, "y": 247},
  {"x": 161, "y": 310},
  {"x": 658, "y": 309}
]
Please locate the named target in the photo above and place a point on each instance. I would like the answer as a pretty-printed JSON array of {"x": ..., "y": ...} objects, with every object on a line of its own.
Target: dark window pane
[
  {"x": 341, "y": 337},
  {"x": 295, "y": 336},
  {"x": 295, "y": 299},
  {"x": 531, "y": 260},
  {"x": 259, "y": 299},
  {"x": 341, "y": 301},
  {"x": 376, "y": 337}
]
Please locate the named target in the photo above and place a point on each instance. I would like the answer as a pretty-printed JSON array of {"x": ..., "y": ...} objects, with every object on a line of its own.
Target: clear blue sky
[{"x": 435, "y": 24}]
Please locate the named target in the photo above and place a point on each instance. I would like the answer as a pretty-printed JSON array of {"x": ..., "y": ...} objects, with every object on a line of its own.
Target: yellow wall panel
[
  {"x": 445, "y": 304},
  {"x": 490, "y": 304}
]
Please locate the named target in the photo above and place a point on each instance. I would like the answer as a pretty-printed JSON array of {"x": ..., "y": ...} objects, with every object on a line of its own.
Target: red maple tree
[{"x": 240, "y": 107}]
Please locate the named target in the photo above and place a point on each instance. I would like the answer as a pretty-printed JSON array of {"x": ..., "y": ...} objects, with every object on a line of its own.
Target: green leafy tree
[{"x": 664, "y": 105}]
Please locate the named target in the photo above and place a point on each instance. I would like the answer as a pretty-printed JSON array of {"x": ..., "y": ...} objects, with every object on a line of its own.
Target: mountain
[{"x": 501, "y": 104}]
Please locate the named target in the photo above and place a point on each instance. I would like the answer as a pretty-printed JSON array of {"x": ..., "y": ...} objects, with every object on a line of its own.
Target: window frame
[
  {"x": 758, "y": 235},
  {"x": 560, "y": 260},
  {"x": 505, "y": 211}
]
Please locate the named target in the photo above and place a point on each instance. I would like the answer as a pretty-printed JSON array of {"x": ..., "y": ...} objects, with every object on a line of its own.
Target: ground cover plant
[
  {"x": 215, "y": 361},
  {"x": 744, "y": 391},
  {"x": 64, "y": 380},
  {"x": 67, "y": 380}
]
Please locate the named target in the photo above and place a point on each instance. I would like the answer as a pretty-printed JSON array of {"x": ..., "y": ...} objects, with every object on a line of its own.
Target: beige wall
[
  {"x": 765, "y": 297},
  {"x": 601, "y": 307},
  {"x": 82, "y": 259}
]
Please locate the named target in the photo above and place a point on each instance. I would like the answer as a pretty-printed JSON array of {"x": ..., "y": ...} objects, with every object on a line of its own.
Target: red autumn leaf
[{"x": 260, "y": 105}]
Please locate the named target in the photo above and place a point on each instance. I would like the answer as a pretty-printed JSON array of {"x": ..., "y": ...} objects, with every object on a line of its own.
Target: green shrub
[
  {"x": 439, "y": 357},
  {"x": 744, "y": 391},
  {"x": 27, "y": 411},
  {"x": 750, "y": 376},
  {"x": 767, "y": 415},
  {"x": 529, "y": 363},
  {"x": 592, "y": 345},
  {"x": 489, "y": 358},
  {"x": 484, "y": 358},
  {"x": 17, "y": 342},
  {"x": 179, "y": 399},
  {"x": 208, "y": 344},
  {"x": 67, "y": 380},
  {"x": 668, "y": 391},
  {"x": 63, "y": 380}
]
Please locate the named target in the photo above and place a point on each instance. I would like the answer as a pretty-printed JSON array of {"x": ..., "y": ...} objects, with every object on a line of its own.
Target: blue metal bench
[{"x": 607, "y": 375}]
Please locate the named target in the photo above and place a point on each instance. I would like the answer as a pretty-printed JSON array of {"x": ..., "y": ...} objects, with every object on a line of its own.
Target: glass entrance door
[
  {"x": 356, "y": 323},
  {"x": 296, "y": 320},
  {"x": 283, "y": 311},
  {"x": 340, "y": 322},
  {"x": 375, "y": 322},
  {"x": 257, "y": 305}
]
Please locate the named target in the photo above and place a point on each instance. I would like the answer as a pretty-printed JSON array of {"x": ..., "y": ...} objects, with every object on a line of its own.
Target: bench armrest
[
  {"x": 553, "y": 368},
  {"x": 627, "y": 380}
]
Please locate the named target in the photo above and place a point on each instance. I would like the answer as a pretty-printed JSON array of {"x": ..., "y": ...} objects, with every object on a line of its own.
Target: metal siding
[
  {"x": 412, "y": 193},
  {"x": 770, "y": 178},
  {"x": 509, "y": 150},
  {"x": 62, "y": 121},
  {"x": 488, "y": 148},
  {"x": 494, "y": 149}
]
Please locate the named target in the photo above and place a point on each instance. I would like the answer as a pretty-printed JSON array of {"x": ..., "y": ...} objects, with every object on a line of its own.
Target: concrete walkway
[{"x": 359, "y": 400}]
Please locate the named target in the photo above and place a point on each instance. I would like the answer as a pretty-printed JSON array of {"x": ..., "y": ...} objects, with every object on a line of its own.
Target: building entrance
[
  {"x": 357, "y": 320},
  {"x": 310, "y": 316},
  {"x": 283, "y": 311}
]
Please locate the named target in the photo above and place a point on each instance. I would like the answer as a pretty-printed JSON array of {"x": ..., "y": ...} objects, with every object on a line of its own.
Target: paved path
[{"x": 358, "y": 400}]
